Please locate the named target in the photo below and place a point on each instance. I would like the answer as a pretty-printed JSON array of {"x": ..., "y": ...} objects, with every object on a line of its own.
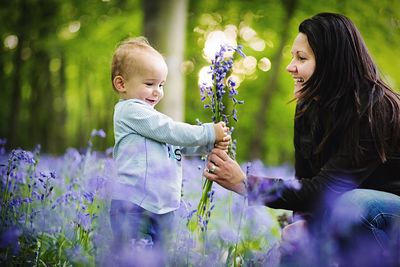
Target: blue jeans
[
  {"x": 131, "y": 223},
  {"x": 365, "y": 228}
]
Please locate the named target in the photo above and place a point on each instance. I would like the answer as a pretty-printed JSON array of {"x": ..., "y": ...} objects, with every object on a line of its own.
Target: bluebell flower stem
[
  {"x": 220, "y": 71},
  {"x": 204, "y": 198}
]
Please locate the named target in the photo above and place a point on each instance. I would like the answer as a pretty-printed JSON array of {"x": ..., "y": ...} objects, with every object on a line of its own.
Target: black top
[{"x": 332, "y": 173}]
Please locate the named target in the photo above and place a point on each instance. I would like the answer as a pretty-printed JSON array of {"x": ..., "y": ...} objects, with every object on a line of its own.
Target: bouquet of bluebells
[{"x": 217, "y": 97}]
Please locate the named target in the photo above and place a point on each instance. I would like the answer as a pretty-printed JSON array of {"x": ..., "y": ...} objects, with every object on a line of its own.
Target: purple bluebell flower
[
  {"x": 9, "y": 238},
  {"x": 22, "y": 156},
  {"x": 99, "y": 133},
  {"x": 89, "y": 196},
  {"x": 220, "y": 70}
]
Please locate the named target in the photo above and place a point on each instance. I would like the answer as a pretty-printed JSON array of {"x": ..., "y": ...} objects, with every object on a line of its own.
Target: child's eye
[{"x": 149, "y": 84}]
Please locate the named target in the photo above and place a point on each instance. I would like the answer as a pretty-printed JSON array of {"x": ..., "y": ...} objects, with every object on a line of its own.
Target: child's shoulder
[
  {"x": 132, "y": 103},
  {"x": 132, "y": 107}
]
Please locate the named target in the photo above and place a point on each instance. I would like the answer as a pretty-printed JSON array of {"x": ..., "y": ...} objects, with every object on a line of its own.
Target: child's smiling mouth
[{"x": 151, "y": 101}]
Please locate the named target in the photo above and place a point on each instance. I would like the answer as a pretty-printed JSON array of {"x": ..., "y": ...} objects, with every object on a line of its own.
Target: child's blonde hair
[{"x": 124, "y": 56}]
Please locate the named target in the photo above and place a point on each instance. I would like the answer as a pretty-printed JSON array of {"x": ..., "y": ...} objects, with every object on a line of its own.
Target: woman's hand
[{"x": 225, "y": 171}]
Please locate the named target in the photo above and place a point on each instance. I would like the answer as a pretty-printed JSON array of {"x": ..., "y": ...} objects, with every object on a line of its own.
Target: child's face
[{"x": 147, "y": 82}]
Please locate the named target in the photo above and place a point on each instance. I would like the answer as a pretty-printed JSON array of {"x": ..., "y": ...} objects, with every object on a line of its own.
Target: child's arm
[
  {"x": 137, "y": 118},
  {"x": 223, "y": 140},
  {"x": 202, "y": 150}
]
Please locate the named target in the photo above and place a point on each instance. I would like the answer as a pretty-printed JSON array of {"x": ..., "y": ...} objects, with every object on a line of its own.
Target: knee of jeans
[
  {"x": 359, "y": 207},
  {"x": 387, "y": 222},
  {"x": 347, "y": 212}
]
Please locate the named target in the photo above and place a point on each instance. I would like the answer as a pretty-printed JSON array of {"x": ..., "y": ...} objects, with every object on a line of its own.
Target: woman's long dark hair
[{"x": 346, "y": 90}]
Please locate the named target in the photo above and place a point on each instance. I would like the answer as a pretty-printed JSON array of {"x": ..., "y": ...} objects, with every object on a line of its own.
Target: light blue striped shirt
[{"x": 148, "y": 153}]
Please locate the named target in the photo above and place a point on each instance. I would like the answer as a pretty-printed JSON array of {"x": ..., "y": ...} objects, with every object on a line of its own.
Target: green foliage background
[{"x": 63, "y": 64}]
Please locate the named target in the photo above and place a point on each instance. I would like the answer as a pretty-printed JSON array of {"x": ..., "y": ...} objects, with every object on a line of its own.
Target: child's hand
[
  {"x": 224, "y": 144},
  {"x": 220, "y": 131}
]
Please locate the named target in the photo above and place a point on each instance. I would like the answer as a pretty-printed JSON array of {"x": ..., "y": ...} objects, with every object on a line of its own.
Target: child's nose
[{"x": 157, "y": 91}]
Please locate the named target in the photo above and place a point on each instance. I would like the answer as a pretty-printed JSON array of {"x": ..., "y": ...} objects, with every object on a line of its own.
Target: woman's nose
[{"x": 291, "y": 67}]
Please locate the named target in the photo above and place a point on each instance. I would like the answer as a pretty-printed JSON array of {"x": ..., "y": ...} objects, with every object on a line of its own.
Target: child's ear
[{"x": 119, "y": 83}]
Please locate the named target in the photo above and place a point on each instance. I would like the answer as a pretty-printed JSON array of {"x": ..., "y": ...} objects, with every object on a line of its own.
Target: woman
[{"x": 347, "y": 145}]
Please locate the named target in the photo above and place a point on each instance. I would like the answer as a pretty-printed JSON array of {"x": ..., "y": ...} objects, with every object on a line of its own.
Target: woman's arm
[{"x": 337, "y": 176}]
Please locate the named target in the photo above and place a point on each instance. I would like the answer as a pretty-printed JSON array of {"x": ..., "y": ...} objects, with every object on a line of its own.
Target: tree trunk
[
  {"x": 165, "y": 28},
  {"x": 13, "y": 133},
  {"x": 59, "y": 107},
  {"x": 40, "y": 108},
  {"x": 267, "y": 94}
]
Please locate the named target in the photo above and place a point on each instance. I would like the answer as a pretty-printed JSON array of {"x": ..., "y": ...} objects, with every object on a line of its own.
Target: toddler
[{"x": 149, "y": 146}]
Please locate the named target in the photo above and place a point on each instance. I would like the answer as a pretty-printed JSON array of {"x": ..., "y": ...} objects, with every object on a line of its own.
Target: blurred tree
[
  {"x": 267, "y": 94},
  {"x": 11, "y": 80},
  {"x": 31, "y": 90},
  {"x": 165, "y": 27},
  {"x": 55, "y": 64},
  {"x": 265, "y": 127},
  {"x": 54, "y": 54}
]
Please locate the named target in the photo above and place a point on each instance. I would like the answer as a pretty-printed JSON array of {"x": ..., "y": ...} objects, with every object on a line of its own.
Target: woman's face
[{"x": 302, "y": 65}]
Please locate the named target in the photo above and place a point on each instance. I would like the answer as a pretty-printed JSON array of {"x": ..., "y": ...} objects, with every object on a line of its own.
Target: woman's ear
[{"x": 119, "y": 83}]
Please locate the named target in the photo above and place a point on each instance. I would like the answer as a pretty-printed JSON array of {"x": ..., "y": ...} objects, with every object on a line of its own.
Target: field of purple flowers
[{"x": 54, "y": 212}]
